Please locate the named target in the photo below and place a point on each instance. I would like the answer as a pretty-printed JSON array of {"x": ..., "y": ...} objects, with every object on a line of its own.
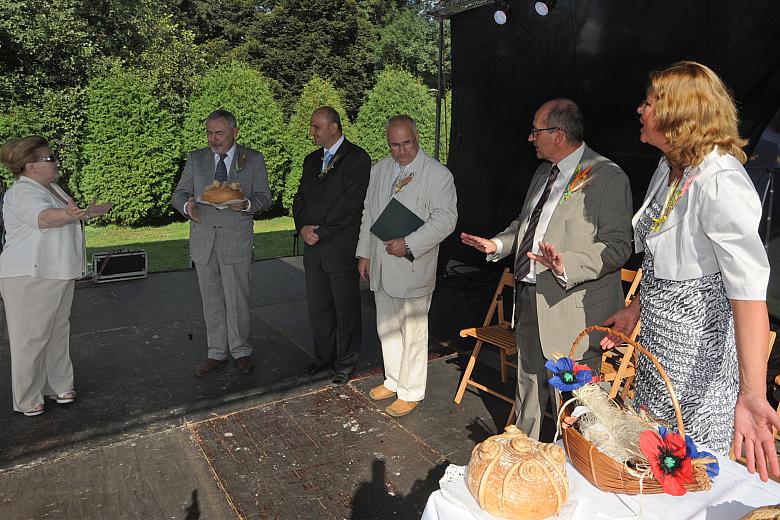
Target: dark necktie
[
  {"x": 522, "y": 262},
  {"x": 221, "y": 172}
]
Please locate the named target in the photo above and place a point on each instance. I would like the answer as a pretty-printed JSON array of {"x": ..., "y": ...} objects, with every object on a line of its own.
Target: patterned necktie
[
  {"x": 522, "y": 262},
  {"x": 326, "y": 160},
  {"x": 221, "y": 172}
]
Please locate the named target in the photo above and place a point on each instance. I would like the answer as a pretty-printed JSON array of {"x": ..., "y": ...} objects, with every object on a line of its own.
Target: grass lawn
[{"x": 167, "y": 247}]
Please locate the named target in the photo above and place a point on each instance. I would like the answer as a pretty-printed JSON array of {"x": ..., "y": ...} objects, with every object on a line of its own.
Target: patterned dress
[{"x": 688, "y": 325}]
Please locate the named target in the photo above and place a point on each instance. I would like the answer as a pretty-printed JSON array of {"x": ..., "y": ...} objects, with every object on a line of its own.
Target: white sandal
[
  {"x": 63, "y": 398},
  {"x": 38, "y": 410}
]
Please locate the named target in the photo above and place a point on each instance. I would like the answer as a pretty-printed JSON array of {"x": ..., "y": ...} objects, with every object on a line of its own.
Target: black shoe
[
  {"x": 340, "y": 379},
  {"x": 314, "y": 369}
]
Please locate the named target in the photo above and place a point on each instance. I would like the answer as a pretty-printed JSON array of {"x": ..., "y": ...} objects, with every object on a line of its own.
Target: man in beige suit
[
  {"x": 571, "y": 239},
  {"x": 402, "y": 271}
]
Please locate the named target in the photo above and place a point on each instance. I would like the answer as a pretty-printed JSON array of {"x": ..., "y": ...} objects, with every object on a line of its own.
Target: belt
[{"x": 520, "y": 284}]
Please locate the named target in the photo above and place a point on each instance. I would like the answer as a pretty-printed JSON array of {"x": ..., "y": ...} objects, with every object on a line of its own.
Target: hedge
[{"x": 131, "y": 150}]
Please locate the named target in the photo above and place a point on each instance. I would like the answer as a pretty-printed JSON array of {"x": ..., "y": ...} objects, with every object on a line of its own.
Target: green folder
[{"x": 396, "y": 221}]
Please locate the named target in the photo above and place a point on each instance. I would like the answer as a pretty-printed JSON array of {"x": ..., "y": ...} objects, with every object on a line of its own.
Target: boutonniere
[
  {"x": 675, "y": 193},
  {"x": 328, "y": 168},
  {"x": 400, "y": 183},
  {"x": 579, "y": 179},
  {"x": 240, "y": 161}
]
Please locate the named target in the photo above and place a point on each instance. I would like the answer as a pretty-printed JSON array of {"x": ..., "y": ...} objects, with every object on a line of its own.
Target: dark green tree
[
  {"x": 410, "y": 40},
  {"x": 298, "y": 38}
]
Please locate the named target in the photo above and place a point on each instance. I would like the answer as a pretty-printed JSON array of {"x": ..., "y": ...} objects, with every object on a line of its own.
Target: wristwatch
[{"x": 407, "y": 249}]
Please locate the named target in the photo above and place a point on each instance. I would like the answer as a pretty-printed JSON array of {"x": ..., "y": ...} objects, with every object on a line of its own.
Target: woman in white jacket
[
  {"x": 702, "y": 298},
  {"x": 42, "y": 257}
]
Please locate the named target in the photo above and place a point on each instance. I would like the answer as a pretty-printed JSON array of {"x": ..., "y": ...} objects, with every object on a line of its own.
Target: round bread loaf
[
  {"x": 221, "y": 192},
  {"x": 512, "y": 476}
]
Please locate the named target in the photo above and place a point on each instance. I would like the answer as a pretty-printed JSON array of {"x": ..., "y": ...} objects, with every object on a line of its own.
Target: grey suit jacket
[
  {"x": 592, "y": 230},
  {"x": 233, "y": 243}
]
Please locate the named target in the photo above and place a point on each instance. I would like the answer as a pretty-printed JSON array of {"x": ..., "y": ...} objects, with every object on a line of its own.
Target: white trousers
[
  {"x": 402, "y": 325},
  {"x": 38, "y": 314}
]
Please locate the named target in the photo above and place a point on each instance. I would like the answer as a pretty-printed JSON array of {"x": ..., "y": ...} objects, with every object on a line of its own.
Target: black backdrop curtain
[{"x": 599, "y": 53}]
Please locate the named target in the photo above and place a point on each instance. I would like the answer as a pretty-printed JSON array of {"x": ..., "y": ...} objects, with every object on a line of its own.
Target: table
[{"x": 734, "y": 493}]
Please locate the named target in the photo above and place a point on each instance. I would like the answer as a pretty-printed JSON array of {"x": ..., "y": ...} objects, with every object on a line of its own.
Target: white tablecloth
[{"x": 734, "y": 493}]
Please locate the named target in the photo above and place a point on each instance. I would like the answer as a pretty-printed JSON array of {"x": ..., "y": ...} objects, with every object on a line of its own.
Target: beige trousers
[
  {"x": 38, "y": 315},
  {"x": 402, "y": 326}
]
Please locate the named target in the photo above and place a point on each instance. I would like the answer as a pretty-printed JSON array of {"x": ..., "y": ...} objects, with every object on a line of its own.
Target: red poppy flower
[{"x": 667, "y": 460}]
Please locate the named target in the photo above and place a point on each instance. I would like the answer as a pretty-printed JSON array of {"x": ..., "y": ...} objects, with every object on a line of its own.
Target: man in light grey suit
[
  {"x": 571, "y": 239},
  {"x": 221, "y": 239}
]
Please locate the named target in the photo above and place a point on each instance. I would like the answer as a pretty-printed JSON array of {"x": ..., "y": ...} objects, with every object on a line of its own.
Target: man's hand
[
  {"x": 310, "y": 237},
  {"x": 396, "y": 247},
  {"x": 241, "y": 206},
  {"x": 753, "y": 422},
  {"x": 192, "y": 211},
  {"x": 549, "y": 257},
  {"x": 364, "y": 266},
  {"x": 623, "y": 321},
  {"x": 480, "y": 244}
]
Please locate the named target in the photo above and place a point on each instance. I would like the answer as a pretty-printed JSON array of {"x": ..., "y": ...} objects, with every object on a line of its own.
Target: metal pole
[
  {"x": 439, "y": 88},
  {"x": 769, "y": 209}
]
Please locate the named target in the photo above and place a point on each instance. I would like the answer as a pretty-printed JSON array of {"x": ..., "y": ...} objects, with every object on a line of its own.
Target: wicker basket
[{"x": 603, "y": 471}]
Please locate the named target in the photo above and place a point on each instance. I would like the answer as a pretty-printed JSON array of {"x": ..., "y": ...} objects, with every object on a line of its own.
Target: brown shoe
[
  {"x": 381, "y": 392},
  {"x": 244, "y": 364},
  {"x": 209, "y": 365},
  {"x": 400, "y": 407}
]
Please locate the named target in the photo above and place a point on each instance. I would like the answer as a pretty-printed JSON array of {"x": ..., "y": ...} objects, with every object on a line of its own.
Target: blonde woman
[
  {"x": 42, "y": 257},
  {"x": 702, "y": 299}
]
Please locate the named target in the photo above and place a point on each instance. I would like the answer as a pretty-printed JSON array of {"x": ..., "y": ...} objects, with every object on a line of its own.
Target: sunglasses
[{"x": 49, "y": 158}]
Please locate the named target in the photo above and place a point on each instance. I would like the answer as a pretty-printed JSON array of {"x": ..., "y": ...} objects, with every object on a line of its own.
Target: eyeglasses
[
  {"x": 535, "y": 131},
  {"x": 404, "y": 145},
  {"x": 49, "y": 158}
]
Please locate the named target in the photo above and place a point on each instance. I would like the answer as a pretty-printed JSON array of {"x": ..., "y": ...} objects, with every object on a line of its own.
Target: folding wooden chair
[
  {"x": 740, "y": 459},
  {"x": 499, "y": 334},
  {"x": 618, "y": 365}
]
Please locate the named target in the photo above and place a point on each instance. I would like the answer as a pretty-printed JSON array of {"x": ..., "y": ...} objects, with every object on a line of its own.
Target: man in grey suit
[
  {"x": 571, "y": 239},
  {"x": 221, "y": 239}
]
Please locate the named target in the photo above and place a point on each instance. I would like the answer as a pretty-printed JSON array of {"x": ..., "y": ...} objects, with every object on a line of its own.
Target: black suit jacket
[{"x": 334, "y": 202}]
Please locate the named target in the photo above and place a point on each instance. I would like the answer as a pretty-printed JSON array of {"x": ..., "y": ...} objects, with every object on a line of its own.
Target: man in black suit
[{"x": 327, "y": 209}]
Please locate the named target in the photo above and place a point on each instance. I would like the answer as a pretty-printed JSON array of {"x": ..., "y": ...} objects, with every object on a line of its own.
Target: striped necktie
[{"x": 522, "y": 262}]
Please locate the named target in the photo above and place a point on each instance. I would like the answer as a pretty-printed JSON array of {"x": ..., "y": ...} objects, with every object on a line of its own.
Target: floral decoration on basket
[{"x": 617, "y": 448}]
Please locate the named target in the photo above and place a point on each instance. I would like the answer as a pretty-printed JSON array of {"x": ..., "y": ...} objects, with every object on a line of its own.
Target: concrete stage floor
[{"x": 147, "y": 439}]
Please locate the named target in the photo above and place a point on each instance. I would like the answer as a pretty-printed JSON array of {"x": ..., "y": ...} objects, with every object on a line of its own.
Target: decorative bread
[
  {"x": 764, "y": 513},
  {"x": 221, "y": 192},
  {"x": 512, "y": 476}
]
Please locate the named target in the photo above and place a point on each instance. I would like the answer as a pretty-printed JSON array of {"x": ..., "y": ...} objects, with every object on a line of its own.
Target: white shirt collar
[
  {"x": 230, "y": 153},
  {"x": 333, "y": 149},
  {"x": 568, "y": 164}
]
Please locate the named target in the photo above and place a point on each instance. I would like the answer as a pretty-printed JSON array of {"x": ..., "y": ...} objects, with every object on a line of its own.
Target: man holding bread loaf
[{"x": 221, "y": 235}]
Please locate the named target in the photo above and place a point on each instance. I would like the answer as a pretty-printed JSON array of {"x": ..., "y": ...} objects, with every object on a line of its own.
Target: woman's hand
[
  {"x": 753, "y": 422},
  {"x": 97, "y": 210},
  {"x": 623, "y": 321},
  {"x": 73, "y": 211}
]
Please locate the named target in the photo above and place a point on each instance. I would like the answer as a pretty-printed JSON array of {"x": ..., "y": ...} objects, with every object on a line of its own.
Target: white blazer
[
  {"x": 712, "y": 228},
  {"x": 53, "y": 253},
  {"x": 431, "y": 196}
]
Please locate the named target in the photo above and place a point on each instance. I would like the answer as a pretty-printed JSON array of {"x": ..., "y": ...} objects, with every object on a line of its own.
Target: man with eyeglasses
[
  {"x": 570, "y": 240},
  {"x": 402, "y": 271}
]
